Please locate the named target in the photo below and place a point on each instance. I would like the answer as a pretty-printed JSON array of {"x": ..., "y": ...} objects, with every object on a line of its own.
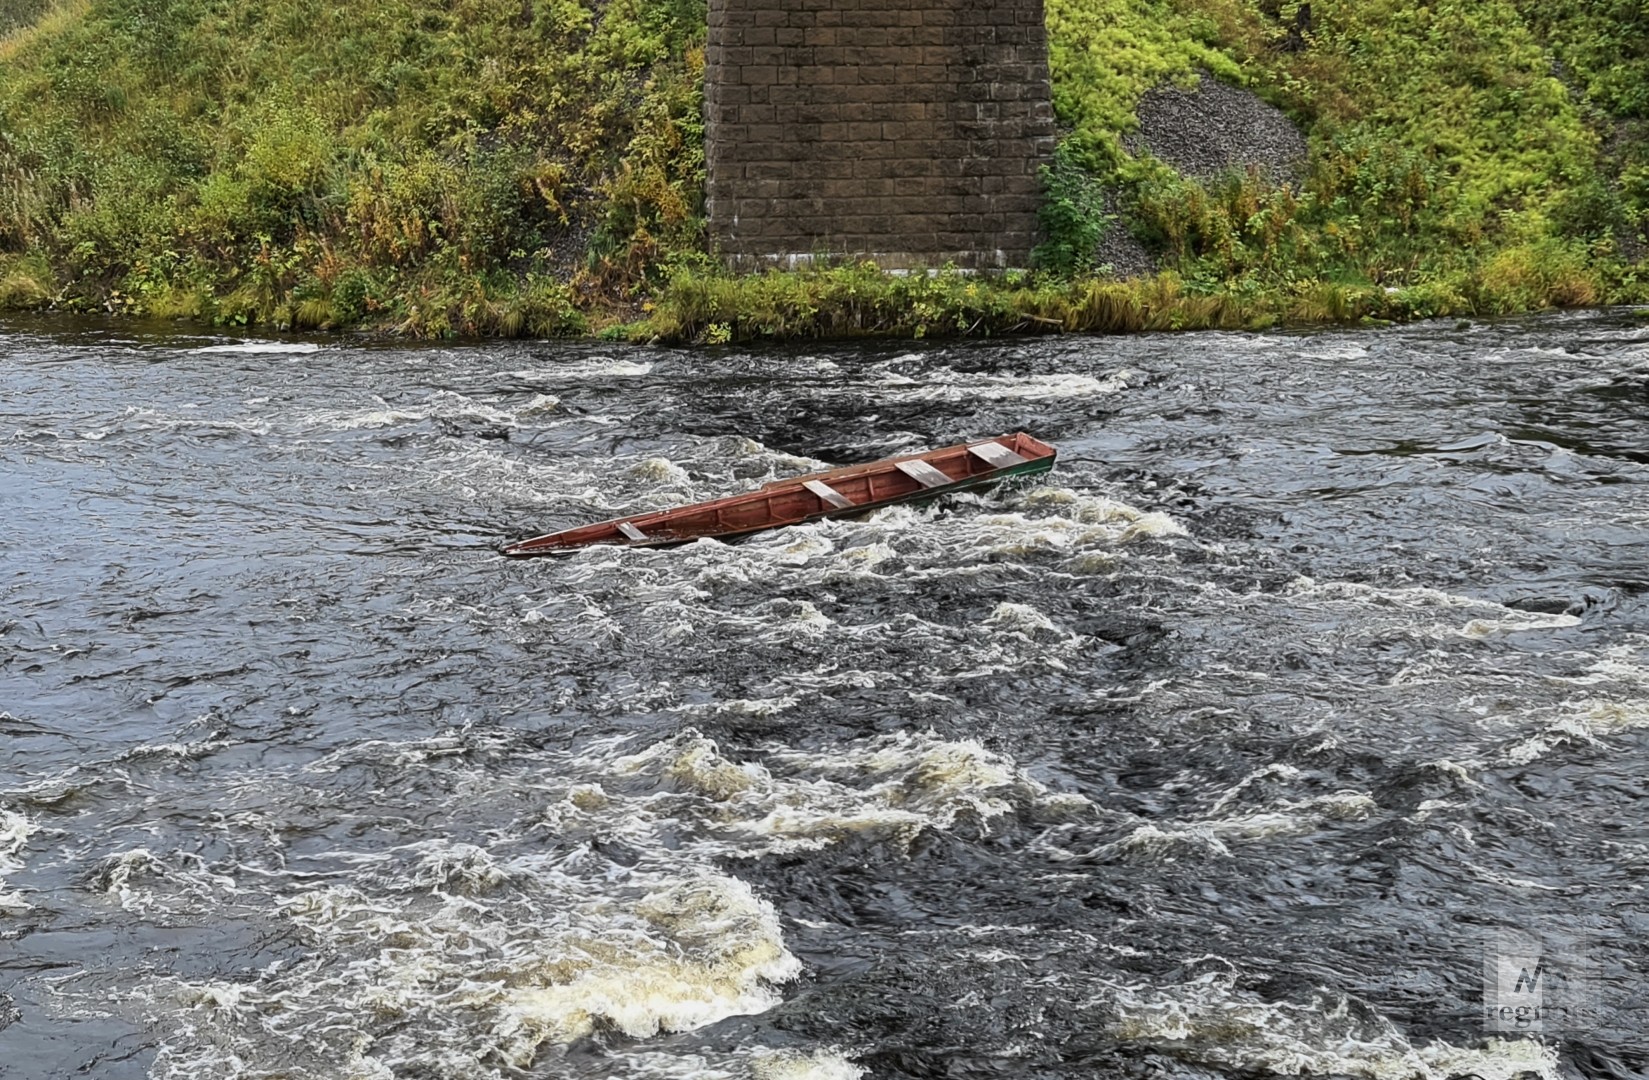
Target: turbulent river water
[{"x": 1312, "y": 676}]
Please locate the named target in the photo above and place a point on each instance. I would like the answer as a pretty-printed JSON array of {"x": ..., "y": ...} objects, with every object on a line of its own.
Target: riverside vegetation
[{"x": 535, "y": 167}]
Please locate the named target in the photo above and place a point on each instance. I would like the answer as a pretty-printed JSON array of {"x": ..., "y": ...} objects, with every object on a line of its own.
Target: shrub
[{"x": 1530, "y": 277}]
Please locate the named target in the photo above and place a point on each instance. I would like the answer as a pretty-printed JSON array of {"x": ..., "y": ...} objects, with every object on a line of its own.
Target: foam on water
[
  {"x": 932, "y": 541},
  {"x": 442, "y": 404},
  {"x": 895, "y": 786},
  {"x": 916, "y": 782},
  {"x": 1471, "y": 618},
  {"x": 117, "y": 873},
  {"x": 802, "y": 1065},
  {"x": 1017, "y": 534},
  {"x": 475, "y": 955},
  {"x": 136, "y": 420},
  {"x": 1615, "y": 703},
  {"x": 757, "y": 1064},
  {"x": 659, "y": 470},
  {"x": 678, "y": 595},
  {"x": 258, "y": 348},
  {"x": 1517, "y": 624},
  {"x": 373, "y": 418},
  {"x": 762, "y": 708},
  {"x": 448, "y": 958},
  {"x": 946, "y": 386},
  {"x": 1215, "y": 835},
  {"x": 1584, "y": 725},
  {"x": 15, "y": 830},
  {"x": 775, "y": 463},
  {"x": 1343, "y": 351},
  {"x": 1022, "y": 619},
  {"x": 595, "y": 367},
  {"x": 1211, "y": 1022},
  {"x": 713, "y": 950},
  {"x": 1417, "y": 597},
  {"x": 179, "y": 751},
  {"x": 1622, "y": 664},
  {"x": 600, "y": 486},
  {"x": 540, "y": 405},
  {"x": 413, "y": 753}
]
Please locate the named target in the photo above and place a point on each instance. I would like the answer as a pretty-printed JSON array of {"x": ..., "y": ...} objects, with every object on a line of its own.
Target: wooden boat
[{"x": 843, "y": 492}]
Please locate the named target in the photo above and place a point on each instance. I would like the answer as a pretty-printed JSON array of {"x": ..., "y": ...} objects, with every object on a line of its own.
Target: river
[{"x": 1314, "y": 674}]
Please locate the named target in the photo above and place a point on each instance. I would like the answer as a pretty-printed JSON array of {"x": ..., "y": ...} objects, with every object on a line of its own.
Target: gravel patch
[
  {"x": 1120, "y": 249},
  {"x": 16, "y": 14},
  {"x": 1202, "y": 133},
  {"x": 1215, "y": 128}
]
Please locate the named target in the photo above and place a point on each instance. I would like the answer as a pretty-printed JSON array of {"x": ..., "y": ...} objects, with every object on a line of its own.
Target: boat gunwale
[{"x": 1018, "y": 442}]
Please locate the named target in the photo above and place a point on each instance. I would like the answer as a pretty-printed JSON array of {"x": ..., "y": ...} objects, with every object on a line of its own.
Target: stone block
[{"x": 911, "y": 131}]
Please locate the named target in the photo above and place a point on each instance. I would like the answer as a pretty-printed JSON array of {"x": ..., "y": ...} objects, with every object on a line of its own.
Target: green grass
[
  {"x": 535, "y": 167},
  {"x": 467, "y": 167},
  {"x": 862, "y": 301},
  {"x": 1441, "y": 144}
]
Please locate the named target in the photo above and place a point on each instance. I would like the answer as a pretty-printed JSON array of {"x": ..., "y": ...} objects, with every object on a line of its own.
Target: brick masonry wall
[{"x": 907, "y": 131}]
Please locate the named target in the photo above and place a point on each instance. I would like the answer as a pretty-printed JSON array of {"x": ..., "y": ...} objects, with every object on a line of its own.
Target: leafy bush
[
  {"x": 1073, "y": 216},
  {"x": 1530, "y": 277}
]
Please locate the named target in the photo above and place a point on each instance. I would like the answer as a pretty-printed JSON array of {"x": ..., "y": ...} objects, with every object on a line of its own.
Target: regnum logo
[{"x": 1538, "y": 983}]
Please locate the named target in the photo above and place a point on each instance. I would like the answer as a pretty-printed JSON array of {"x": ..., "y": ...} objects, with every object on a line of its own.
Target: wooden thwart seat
[
  {"x": 828, "y": 494},
  {"x": 996, "y": 455},
  {"x": 630, "y": 531},
  {"x": 924, "y": 474}
]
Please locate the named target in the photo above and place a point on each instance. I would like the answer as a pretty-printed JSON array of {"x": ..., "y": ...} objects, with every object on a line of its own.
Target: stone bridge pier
[{"x": 910, "y": 132}]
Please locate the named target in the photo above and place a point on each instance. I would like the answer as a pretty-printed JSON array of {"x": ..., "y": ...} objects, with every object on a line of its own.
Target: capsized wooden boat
[{"x": 843, "y": 492}]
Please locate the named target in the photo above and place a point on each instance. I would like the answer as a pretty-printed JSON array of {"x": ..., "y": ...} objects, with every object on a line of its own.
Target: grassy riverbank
[
  {"x": 534, "y": 167},
  {"x": 860, "y": 301}
]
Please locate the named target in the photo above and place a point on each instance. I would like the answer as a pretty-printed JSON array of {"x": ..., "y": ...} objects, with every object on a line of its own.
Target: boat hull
[{"x": 844, "y": 492}]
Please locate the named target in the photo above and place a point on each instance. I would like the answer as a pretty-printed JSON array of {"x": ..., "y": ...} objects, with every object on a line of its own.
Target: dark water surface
[{"x": 1318, "y": 663}]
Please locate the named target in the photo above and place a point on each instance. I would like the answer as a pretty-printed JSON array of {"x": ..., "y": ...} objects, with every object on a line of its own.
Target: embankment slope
[{"x": 536, "y": 167}]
